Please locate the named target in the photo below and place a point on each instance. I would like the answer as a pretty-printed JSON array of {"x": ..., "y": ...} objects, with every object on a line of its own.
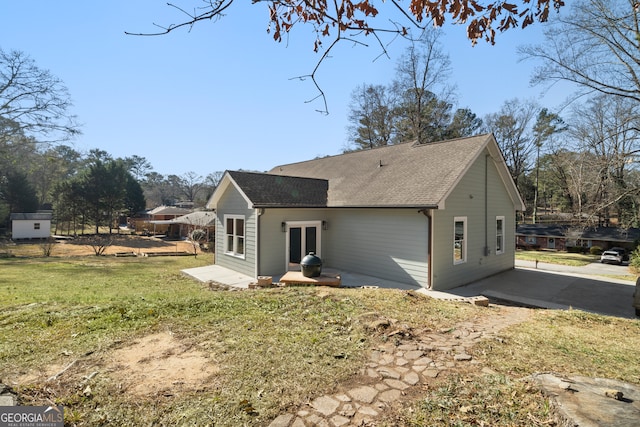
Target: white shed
[{"x": 30, "y": 225}]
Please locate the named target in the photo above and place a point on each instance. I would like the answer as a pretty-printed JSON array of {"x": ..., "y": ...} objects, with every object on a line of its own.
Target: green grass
[
  {"x": 576, "y": 260},
  {"x": 275, "y": 348},
  {"x": 552, "y": 257},
  {"x": 572, "y": 342}
]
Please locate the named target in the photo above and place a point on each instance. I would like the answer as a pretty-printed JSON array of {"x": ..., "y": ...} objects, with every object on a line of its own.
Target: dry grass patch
[
  {"x": 97, "y": 322},
  {"x": 568, "y": 342}
]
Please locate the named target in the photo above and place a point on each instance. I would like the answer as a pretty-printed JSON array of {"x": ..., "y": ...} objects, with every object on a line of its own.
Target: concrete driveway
[{"x": 558, "y": 287}]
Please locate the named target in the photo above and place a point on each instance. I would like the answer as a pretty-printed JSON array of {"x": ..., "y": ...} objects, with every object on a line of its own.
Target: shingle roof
[
  {"x": 38, "y": 216},
  {"x": 169, "y": 210},
  {"x": 397, "y": 175},
  {"x": 199, "y": 218},
  {"x": 403, "y": 175},
  {"x": 270, "y": 190}
]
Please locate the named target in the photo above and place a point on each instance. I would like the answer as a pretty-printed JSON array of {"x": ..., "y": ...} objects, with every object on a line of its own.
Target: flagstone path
[{"x": 396, "y": 370}]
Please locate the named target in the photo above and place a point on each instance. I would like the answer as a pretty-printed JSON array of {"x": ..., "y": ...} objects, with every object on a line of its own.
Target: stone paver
[{"x": 394, "y": 368}]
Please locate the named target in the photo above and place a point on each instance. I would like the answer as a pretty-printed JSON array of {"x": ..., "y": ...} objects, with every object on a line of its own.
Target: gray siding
[
  {"x": 387, "y": 243},
  {"x": 468, "y": 200},
  {"x": 273, "y": 256},
  {"x": 233, "y": 203}
]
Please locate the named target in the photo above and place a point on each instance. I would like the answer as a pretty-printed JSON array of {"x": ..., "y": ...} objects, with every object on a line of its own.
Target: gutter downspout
[
  {"x": 259, "y": 213},
  {"x": 427, "y": 213},
  {"x": 486, "y": 205}
]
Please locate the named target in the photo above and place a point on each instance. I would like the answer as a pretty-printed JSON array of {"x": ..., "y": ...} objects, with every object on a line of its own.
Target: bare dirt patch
[
  {"x": 137, "y": 245},
  {"x": 160, "y": 364}
]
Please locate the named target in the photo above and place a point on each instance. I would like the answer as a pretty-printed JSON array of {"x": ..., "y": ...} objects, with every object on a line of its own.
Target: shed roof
[{"x": 37, "y": 216}]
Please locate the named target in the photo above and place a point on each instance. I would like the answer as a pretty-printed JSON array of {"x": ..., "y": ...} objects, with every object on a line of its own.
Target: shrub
[
  {"x": 634, "y": 260},
  {"x": 595, "y": 250}
]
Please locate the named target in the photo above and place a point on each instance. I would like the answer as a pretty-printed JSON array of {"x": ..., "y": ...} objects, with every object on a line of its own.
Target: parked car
[{"x": 614, "y": 256}]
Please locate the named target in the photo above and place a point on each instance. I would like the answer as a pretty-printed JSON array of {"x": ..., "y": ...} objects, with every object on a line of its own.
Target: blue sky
[{"x": 224, "y": 95}]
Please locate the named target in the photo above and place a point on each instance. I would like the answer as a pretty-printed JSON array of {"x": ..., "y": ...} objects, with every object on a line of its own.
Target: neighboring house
[
  {"x": 561, "y": 236},
  {"x": 201, "y": 220},
  {"x": 158, "y": 220},
  {"x": 536, "y": 236},
  {"x": 436, "y": 215},
  {"x": 30, "y": 225}
]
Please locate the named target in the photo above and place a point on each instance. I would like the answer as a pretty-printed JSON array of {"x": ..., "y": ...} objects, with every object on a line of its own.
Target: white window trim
[
  {"x": 500, "y": 218},
  {"x": 227, "y": 250},
  {"x": 463, "y": 249}
]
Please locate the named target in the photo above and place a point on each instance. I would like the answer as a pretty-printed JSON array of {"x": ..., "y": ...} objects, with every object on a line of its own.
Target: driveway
[{"x": 559, "y": 287}]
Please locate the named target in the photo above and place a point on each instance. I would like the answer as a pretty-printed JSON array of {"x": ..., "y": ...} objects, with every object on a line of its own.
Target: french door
[{"x": 302, "y": 238}]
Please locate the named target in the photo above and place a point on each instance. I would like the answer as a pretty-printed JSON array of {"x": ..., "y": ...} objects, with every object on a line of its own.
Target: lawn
[
  {"x": 65, "y": 321},
  {"x": 553, "y": 257}
]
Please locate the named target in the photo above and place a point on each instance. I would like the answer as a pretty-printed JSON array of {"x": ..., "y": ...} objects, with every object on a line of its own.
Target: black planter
[{"x": 311, "y": 265}]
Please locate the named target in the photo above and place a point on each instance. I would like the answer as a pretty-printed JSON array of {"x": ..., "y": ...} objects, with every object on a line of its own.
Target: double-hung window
[
  {"x": 459, "y": 240},
  {"x": 499, "y": 235},
  {"x": 36, "y": 226},
  {"x": 234, "y": 235}
]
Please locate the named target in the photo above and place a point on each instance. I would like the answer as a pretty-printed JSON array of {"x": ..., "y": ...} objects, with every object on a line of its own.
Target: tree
[
  {"x": 138, "y": 166},
  {"x": 352, "y": 21},
  {"x": 608, "y": 129},
  {"x": 108, "y": 190},
  {"x": 464, "y": 123},
  {"x": 595, "y": 46},
  {"x": 18, "y": 193},
  {"x": 416, "y": 106},
  {"x": 349, "y": 17},
  {"x": 512, "y": 127},
  {"x": 34, "y": 100},
  {"x": 547, "y": 125},
  {"x": 420, "y": 84},
  {"x": 372, "y": 116},
  {"x": 189, "y": 184}
]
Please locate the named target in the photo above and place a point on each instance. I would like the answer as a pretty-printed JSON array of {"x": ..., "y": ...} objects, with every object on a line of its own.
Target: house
[
  {"x": 30, "y": 225},
  {"x": 158, "y": 220},
  {"x": 201, "y": 220},
  {"x": 436, "y": 215},
  {"x": 563, "y": 236}
]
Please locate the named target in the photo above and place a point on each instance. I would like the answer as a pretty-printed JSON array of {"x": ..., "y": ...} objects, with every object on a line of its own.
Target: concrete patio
[
  {"x": 540, "y": 288},
  {"x": 218, "y": 274}
]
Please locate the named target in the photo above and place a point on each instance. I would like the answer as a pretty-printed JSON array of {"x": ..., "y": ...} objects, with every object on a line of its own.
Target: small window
[
  {"x": 459, "y": 240},
  {"x": 532, "y": 240},
  {"x": 499, "y": 235},
  {"x": 36, "y": 226},
  {"x": 234, "y": 232}
]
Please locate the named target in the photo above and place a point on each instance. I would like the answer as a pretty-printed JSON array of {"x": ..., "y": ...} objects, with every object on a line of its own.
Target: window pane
[
  {"x": 458, "y": 242},
  {"x": 229, "y": 243},
  {"x": 240, "y": 248},
  {"x": 310, "y": 239},
  {"x": 459, "y": 230},
  {"x": 239, "y": 227},
  {"x": 230, "y": 226},
  {"x": 499, "y": 238}
]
